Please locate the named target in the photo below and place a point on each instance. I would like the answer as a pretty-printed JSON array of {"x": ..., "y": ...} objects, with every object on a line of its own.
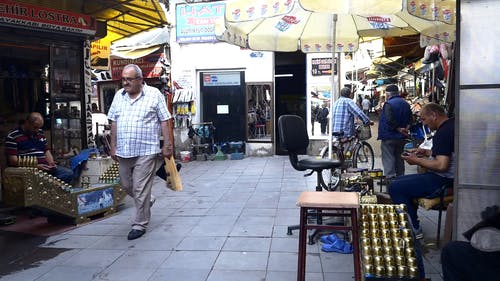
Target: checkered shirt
[
  {"x": 344, "y": 110},
  {"x": 138, "y": 122}
]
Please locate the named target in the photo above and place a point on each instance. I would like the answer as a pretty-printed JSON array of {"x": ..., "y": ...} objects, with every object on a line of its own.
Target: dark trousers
[
  {"x": 323, "y": 126},
  {"x": 462, "y": 262},
  {"x": 406, "y": 188}
]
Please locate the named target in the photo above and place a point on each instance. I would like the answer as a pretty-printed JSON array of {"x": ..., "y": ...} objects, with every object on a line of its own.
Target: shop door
[
  {"x": 223, "y": 103},
  {"x": 290, "y": 95}
]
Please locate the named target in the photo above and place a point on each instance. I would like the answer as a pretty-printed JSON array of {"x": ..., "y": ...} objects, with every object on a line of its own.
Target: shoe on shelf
[
  {"x": 328, "y": 239},
  {"x": 135, "y": 233},
  {"x": 419, "y": 233}
]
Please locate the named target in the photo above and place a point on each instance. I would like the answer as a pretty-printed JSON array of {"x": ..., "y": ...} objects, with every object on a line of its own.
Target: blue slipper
[
  {"x": 328, "y": 239},
  {"x": 339, "y": 246}
]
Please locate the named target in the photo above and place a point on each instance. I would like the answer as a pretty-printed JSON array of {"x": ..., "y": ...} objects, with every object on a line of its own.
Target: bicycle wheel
[
  {"x": 363, "y": 156},
  {"x": 332, "y": 176}
]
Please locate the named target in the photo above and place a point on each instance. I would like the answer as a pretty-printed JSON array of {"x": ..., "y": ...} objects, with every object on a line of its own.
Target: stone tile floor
[{"x": 229, "y": 223}]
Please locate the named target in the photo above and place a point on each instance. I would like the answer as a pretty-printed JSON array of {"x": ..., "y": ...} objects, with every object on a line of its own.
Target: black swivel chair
[{"x": 294, "y": 139}]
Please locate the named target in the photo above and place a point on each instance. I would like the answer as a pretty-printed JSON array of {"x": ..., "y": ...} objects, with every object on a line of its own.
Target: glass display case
[{"x": 66, "y": 102}]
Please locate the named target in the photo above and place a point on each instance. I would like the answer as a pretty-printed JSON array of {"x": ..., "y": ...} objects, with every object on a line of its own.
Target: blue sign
[
  {"x": 95, "y": 200},
  {"x": 196, "y": 22}
]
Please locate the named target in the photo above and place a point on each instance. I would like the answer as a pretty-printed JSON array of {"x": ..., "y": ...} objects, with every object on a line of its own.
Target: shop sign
[
  {"x": 37, "y": 17},
  {"x": 221, "y": 79},
  {"x": 196, "y": 22},
  {"x": 150, "y": 65},
  {"x": 322, "y": 66},
  {"x": 100, "y": 53}
]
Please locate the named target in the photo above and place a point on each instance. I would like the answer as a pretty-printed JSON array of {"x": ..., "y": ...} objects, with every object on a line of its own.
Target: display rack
[{"x": 66, "y": 104}]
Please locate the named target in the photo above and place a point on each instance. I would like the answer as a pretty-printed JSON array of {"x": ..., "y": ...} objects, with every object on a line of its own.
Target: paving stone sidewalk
[{"x": 229, "y": 223}]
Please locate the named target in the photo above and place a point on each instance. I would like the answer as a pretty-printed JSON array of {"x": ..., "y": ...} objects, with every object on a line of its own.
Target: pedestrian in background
[
  {"x": 365, "y": 104},
  {"x": 392, "y": 131},
  {"x": 138, "y": 113},
  {"x": 322, "y": 117}
]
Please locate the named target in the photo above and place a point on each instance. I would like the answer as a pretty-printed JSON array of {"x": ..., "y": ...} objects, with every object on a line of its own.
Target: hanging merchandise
[{"x": 184, "y": 106}]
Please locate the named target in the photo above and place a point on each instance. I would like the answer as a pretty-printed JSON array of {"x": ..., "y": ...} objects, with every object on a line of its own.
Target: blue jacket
[{"x": 396, "y": 113}]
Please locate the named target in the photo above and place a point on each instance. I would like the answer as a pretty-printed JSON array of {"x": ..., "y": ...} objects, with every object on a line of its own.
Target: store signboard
[
  {"x": 221, "y": 79},
  {"x": 322, "y": 66},
  {"x": 100, "y": 52},
  {"x": 150, "y": 65},
  {"x": 196, "y": 22},
  {"x": 37, "y": 17}
]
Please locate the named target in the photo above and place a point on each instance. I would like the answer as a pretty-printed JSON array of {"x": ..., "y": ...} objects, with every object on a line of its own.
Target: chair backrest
[
  {"x": 293, "y": 133},
  {"x": 293, "y": 137}
]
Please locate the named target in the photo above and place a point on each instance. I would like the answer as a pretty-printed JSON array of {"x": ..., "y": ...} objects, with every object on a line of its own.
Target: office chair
[{"x": 294, "y": 139}]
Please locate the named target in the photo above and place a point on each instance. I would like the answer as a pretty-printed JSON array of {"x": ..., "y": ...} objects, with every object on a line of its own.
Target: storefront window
[
  {"x": 319, "y": 97},
  {"x": 259, "y": 113}
]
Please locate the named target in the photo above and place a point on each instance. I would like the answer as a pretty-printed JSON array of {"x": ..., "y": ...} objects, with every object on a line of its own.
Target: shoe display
[{"x": 135, "y": 233}]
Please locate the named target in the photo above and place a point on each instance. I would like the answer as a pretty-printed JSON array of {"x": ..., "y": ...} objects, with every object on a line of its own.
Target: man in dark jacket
[{"x": 393, "y": 130}]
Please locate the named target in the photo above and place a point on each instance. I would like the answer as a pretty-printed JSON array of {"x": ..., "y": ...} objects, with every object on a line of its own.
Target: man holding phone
[{"x": 439, "y": 162}]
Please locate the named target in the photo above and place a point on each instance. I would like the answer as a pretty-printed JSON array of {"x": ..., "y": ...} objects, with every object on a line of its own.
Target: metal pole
[{"x": 334, "y": 92}]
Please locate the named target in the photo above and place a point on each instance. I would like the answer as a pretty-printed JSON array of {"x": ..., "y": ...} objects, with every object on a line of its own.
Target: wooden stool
[{"x": 345, "y": 204}]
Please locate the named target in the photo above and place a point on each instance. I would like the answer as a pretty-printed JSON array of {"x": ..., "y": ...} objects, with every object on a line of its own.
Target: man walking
[
  {"x": 392, "y": 131},
  {"x": 137, "y": 114}
]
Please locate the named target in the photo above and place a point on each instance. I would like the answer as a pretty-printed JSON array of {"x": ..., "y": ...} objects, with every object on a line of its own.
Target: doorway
[
  {"x": 223, "y": 103},
  {"x": 290, "y": 91}
]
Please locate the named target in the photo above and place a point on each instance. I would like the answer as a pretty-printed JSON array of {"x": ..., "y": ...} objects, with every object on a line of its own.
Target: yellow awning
[{"x": 123, "y": 17}]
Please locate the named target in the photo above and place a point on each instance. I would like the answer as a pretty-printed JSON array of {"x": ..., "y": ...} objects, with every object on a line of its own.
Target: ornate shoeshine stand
[
  {"x": 28, "y": 186},
  {"x": 389, "y": 250}
]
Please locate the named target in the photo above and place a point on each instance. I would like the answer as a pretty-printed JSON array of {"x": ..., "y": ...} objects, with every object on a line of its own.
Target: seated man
[
  {"x": 439, "y": 162},
  {"x": 29, "y": 140}
]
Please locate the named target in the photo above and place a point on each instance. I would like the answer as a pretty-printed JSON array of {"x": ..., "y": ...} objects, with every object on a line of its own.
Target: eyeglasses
[{"x": 129, "y": 79}]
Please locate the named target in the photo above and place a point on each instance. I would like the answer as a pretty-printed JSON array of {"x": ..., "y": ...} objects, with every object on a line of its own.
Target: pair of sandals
[{"x": 331, "y": 243}]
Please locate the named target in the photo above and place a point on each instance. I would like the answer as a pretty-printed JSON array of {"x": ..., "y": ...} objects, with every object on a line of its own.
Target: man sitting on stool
[
  {"x": 29, "y": 140},
  {"x": 439, "y": 162}
]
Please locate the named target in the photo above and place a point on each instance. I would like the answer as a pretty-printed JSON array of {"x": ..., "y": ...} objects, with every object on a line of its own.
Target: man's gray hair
[{"x": 137, "y": 69}]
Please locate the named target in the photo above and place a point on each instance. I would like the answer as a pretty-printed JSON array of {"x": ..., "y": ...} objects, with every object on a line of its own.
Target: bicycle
[{"x": 353, "y": 152}]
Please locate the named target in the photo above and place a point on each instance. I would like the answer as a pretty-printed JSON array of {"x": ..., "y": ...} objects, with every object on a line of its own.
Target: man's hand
[
  {"x": 403, "y": 131},
  {"x": 167, "y": 151},
  {"x": 410, "y": 157},
  {"x": 44, "y": 167}
]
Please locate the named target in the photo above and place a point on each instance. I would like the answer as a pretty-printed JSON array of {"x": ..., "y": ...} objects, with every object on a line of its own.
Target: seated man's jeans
[
  {"x": 62, "y": 173},
  {"x": 406, "y": 188}
]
